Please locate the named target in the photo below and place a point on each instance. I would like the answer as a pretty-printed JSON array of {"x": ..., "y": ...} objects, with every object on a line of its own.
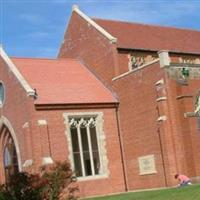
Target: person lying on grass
[{"x": 183, "y": 180}]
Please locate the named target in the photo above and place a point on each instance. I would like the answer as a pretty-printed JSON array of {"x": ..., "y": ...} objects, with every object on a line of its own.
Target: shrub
[
  {"x": 19, "y": 187},
  {"x": 54, "y": 182},
  {"x": 59, "y": 182}
]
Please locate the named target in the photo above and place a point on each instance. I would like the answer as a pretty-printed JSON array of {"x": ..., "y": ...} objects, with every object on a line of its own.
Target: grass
[{"x": 185, "y": 193}]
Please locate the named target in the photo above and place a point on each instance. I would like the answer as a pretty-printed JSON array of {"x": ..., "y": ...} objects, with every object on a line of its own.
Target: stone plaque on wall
[{"x": 147, "y": 164}]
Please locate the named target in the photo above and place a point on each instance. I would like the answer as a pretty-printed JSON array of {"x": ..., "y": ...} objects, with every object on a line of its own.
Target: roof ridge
[
  {"x": 99, "y": 79},
  {"x": 144, "y": 24}
]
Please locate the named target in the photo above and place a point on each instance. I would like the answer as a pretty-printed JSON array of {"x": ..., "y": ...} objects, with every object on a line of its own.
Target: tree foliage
[{"x": 54, "y": 182}]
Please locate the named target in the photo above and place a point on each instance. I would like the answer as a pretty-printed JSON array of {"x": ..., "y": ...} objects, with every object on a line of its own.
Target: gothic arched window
[{"x": 10, "y": 159}]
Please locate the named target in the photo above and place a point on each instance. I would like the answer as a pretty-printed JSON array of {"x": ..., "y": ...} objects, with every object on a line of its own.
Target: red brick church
[{"x": 120, "y": 103}]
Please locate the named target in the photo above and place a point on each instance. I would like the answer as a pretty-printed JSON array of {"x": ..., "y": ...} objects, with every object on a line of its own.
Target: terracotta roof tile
[
  {"x": 63, "y": 81},
  {"x": 151, "y": 37}
]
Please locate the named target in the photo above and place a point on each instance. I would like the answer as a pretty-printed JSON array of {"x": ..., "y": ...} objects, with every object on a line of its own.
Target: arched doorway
[{"x": 9, "y": 157}]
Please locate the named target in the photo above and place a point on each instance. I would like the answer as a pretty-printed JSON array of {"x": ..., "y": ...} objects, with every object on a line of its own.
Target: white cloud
[
  {"x": 39, "y": 35},
  {"x": 32, "y": 18}
]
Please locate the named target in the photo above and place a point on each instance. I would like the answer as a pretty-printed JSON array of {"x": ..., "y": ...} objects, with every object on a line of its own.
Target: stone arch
[{"x": 5, "y": 122}]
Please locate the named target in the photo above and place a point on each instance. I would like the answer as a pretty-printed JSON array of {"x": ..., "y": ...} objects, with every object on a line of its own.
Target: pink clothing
[{"x": 183, "y": 178}]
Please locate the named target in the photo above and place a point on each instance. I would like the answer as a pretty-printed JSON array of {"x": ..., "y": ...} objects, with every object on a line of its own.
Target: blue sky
[{"x": 35, "y": 28}]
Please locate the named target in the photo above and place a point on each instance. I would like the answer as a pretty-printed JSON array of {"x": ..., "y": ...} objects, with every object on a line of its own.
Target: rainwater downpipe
[{"x": 121, "y": 149}]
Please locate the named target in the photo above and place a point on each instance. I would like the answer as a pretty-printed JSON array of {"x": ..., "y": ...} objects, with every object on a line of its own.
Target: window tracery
[
  {"x": 85, "y": 146},
  {"x": 189, "y": 60},
  {"x": 138, "y": 60}
]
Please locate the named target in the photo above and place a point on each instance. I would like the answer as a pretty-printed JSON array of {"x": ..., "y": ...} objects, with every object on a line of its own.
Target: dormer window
[{"x": 2, "y": 95}]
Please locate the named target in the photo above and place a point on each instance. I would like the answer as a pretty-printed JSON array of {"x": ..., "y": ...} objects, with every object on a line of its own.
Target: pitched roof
[
  {"x": 151, "y": 37},
  {"x": 63, "y": 81}
]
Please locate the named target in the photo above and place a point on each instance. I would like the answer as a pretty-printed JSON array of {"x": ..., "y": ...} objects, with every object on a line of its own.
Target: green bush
[
  {"x": 54, "y": 182},
  {"x": 19, "y": 187},
  {"x": 58, "y": 182}
]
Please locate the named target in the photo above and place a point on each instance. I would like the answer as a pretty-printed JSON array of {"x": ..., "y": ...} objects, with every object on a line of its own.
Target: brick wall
[
  {"x": 186, "y": 135},
  {"x": 59, "y": 149},
  {"x": 174, "y": 142},
  {"x": 83, "y": 41},
  {"x": 138, "y": 119},
  {"x": 17, "y": 106},
  {"x": 137, "y": 95},
  {"x": 123, "y": 57},
  {"x": 43, "y": 134}
]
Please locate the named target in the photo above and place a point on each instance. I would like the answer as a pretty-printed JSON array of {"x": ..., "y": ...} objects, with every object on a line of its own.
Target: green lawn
[{"x": 185, "y": 193}]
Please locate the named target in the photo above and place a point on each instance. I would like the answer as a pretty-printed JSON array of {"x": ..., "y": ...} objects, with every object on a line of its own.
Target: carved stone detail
[{"x": 175, "y": 72}]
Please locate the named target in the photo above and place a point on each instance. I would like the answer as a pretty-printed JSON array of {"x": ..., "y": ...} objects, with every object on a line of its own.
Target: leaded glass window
[
  {"x": 85, "y": 146},
  {"x": 10, "y": 159},
  {"x": 137, "y": 60}
]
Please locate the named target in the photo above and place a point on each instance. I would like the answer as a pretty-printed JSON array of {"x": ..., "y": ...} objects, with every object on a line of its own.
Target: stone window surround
[
  {"x": 100, "y": 139},
  {"x": 6, "y": 122}
]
